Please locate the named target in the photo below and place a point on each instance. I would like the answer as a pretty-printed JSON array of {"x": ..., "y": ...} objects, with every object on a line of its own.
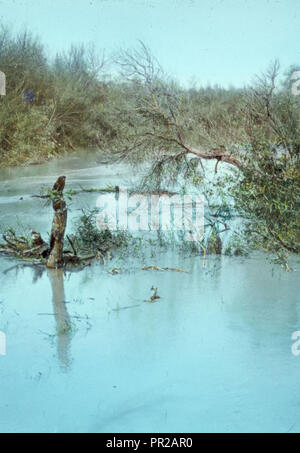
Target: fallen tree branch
[{"x": 156, "y": 268}]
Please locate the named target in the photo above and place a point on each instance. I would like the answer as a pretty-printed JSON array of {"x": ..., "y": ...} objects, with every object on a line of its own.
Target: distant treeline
[
  {"x": 69, "y": 102},
  {"x": 49, "y": 105}
]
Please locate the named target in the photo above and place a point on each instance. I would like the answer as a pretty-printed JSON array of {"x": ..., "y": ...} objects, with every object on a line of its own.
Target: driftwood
[
  {"x": 154, "y": 295},
  {"x": 156, "y": 268},
  {"x": 36, "y": 250},
  {"x": 24, "y": 248}
]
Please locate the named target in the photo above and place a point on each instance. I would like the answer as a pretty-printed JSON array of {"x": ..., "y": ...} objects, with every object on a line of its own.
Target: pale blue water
[{"x": 213, "y": 354}]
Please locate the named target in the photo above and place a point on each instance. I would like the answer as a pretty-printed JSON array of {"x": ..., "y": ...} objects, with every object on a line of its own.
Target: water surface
[{"x": 86, "y": 352}]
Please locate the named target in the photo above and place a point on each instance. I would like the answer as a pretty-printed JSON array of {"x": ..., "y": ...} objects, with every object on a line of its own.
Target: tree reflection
[
  {"x": 60, "y": 312},
  {"x": 62, "y": 318}
]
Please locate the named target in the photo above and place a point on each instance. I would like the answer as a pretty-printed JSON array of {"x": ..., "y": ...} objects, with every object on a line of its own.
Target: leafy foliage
[
  {"x": 89, "y": 238},
  {"x": 65, "y": 111}
]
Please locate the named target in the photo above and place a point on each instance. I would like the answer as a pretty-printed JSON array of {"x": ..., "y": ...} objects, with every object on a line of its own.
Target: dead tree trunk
[{"x": 59, "y": 223}]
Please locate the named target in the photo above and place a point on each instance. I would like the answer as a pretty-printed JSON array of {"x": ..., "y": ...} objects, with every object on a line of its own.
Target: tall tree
[{"x": 255, "y": 131}]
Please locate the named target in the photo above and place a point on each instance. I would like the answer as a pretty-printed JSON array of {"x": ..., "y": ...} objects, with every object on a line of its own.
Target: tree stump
[{"x": 55, "y": 259}]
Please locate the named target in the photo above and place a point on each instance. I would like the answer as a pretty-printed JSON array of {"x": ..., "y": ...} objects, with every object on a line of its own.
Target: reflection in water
[
  {"x": 37, "y": 270},
  {"x": 62, "y": 318},
  {"x": 61, "y": 315},
  {"x": 212, "y": 355}
]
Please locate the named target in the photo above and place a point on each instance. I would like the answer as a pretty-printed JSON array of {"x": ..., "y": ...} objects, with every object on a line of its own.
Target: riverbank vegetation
[
  {"x": 50, "y": 106},
  {"x": 69, "y": 102}
]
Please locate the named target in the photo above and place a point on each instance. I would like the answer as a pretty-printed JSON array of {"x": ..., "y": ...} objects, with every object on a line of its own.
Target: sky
[{"x": 198, "y": 42}]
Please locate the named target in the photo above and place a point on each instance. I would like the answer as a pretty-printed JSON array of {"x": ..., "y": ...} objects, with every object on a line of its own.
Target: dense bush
[{"x": 65, "y": 109}]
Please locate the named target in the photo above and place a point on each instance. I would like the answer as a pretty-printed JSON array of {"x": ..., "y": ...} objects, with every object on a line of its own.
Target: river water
[{"x": 86, "y": 352}]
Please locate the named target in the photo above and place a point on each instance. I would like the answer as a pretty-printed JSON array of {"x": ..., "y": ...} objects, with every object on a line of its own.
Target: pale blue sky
[{"x": 215, "y": 41}]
